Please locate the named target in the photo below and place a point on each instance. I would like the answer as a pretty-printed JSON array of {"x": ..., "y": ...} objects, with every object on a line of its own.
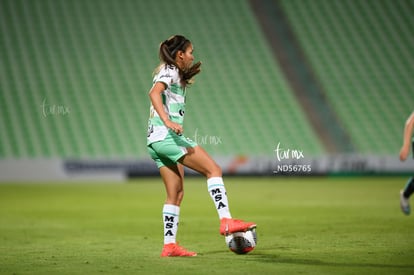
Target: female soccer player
[
  {"x": 404, "y": 152},
  {"x": 171, "y": 151}
]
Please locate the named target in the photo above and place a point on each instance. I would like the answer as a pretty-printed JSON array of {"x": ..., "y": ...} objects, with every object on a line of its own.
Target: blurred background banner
[{"x": 287, "y": 86}]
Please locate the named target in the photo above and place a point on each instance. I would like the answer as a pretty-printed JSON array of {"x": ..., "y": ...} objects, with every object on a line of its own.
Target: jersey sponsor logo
[
  {"x": 165, "y": 76},
  {"x": 150, "y": 130}
]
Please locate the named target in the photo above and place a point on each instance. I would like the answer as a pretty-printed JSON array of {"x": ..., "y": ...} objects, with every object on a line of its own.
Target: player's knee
[{"x": 214, "y": 171}]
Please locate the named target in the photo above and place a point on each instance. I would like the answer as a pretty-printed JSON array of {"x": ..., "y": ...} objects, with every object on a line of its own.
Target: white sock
[
  {"x": 170, "y": 216},
  {"x": 218, "y": 193}
]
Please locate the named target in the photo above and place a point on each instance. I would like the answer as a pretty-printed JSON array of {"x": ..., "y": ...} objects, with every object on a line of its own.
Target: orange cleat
[
  {"x": 174, "y": 250},
  {"x": 229, "y": 226}
]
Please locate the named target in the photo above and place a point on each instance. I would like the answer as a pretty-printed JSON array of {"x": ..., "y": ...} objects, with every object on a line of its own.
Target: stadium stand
[
  {"x": 361, "y": 53},
  {"x": 74, "y": 75}
]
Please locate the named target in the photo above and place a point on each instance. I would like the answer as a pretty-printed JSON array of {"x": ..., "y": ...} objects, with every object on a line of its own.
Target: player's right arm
[
  {"x": 156, "y": 100},
  {"x": 408, "y": 130}
]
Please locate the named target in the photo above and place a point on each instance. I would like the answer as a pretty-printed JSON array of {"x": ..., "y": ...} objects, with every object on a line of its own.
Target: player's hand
[
  {"x": 405, "y": 150},
  {"x": 175, "y": 127}
]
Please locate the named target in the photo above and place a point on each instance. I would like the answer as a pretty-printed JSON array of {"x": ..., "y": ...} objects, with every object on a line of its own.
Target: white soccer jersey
[{"x": 173, "y": 99}]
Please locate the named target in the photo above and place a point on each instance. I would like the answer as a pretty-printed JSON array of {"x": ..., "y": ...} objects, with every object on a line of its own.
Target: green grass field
[{"x": 347, "y": 225}]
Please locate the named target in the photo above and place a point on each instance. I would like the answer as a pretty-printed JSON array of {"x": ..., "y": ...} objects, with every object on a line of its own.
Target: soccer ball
[{"x": 242, "y": 242}]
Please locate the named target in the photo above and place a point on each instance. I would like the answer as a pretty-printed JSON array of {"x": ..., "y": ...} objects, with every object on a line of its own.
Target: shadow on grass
[
  {"x": 272, "y": 258},
  {"x": 264, "y": 257}
]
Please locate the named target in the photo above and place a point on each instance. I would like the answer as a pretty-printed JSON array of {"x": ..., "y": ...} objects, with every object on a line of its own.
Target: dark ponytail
[{"x": 168, "y": 52}]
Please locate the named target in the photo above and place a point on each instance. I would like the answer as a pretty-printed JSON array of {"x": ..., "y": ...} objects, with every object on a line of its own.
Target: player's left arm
[
  {"x": 156, "y": 100},
  {"x": 408, "y": 130}
]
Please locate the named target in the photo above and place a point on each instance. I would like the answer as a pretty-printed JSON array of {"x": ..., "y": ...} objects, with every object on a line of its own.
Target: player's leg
[
  {"x": 199, "y": 160},
  {"x": 409, "y": 188},
  {"x": 173, "y": 178},
  {"x": 405, "y": 195}
]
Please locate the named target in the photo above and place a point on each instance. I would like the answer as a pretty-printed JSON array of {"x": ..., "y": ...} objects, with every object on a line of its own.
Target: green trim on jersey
[
  {"x": 176, "y": 89},
  {"x": 173, "y": 100}
]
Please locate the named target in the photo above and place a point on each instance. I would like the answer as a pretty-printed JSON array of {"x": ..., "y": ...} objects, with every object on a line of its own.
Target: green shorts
[{"x": 167, "y": 152}]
